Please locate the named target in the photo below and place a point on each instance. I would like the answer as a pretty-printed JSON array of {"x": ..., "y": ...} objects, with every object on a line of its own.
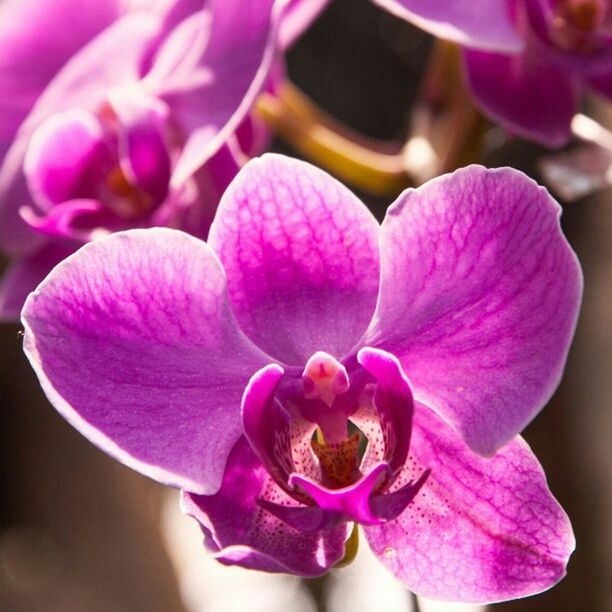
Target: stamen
[
  {"x": 339, "y": 462},
  {"x": 324, "y": 378}
]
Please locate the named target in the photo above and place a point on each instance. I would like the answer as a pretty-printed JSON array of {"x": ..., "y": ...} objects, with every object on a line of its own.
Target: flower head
[
  {"x": 527, "y": 62},
  {"x": 132, "y": 114},
  {"x": 308, "y": 368}
]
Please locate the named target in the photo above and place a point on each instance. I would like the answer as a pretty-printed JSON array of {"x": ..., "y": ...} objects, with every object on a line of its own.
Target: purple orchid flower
[
  {"x": 527, "y": 61},
  {"x": 568, "y": 48},
  {"x": 431, "y": 341},
  {"x": 125, "y": 114}
]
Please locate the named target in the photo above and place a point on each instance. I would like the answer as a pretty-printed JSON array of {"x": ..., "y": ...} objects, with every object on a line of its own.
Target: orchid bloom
[
  {"x": 307, "y": 369},
  {"x": 527, "y": 61},
  {"x": 125, "y": 113}
]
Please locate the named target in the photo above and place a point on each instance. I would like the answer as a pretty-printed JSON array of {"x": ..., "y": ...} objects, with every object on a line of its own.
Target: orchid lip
[{"x": 310, "y": 437}]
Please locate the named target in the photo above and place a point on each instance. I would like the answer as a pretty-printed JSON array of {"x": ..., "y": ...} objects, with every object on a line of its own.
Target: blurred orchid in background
[
  {"x": 125, "y": 114},
  {"x": 476, "y": 24},
  {"x": 527, "y": 61},
  {"x": 568, "y": 48},
  {"x": 524, "y": 63},
  {"x": 384, "y": 373}
]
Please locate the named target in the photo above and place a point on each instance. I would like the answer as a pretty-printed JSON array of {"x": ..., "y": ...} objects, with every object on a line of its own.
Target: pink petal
[
  {"x": 198, "y": 210},
  {"x": 479, "y": 299},
  {"x": 524, "y": 93},
  {"x": 239, "y": 532},
  {"x": 267, "y": 425},
  {"x": 16, "y": 237},
  {"x": 144, "y": 155},
  {"x": 81, "y": 220},
  {"x": 333, "y": 506},
  {"x": 480, "y": 530},
  {"x": 224, "y": 79},
  {"x": 134, "y": 343},
  {"x": 301, "y": 255},
  {"x": 112, "y": 59},
  {"x": 393, "y": 403},
  {"x": 60, "y": 157},
  {"x": 486, "y": 24},
  {"x": 602, "y": 83}
]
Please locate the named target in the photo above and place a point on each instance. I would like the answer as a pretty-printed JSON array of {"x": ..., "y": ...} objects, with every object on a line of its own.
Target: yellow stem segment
[
  {"x": 317, "y": 136},
  {"x": 446, "y": 132},
  {"x": 350, "y": 548}
]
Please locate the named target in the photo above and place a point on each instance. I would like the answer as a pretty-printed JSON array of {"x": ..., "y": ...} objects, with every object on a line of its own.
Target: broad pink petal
[
  {"x": 135, "y": 344},
  {"x": 479, "y": 299},
  {"x": 36, "y": 39},
  {"x": 114, "y": 58},
  {"x": 479, "y": 530},
  {"x": 525, "y": 94},
  {"x": 301, "y": 255},
  {"x": 239, "y": 532},
  {"x": 23, "y": 275},
  {"x": 486, "y": 24},
  {"x": 224, "y": 79}
]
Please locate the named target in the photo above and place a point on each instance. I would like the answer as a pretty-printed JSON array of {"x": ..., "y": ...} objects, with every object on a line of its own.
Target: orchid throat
[{"x": 335, "y": 441}]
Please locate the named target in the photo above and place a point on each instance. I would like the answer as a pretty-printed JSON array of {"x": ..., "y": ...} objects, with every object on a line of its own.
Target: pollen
[
  {"x": 324, "y": 378},
  {"x": 339, "y": 462}
]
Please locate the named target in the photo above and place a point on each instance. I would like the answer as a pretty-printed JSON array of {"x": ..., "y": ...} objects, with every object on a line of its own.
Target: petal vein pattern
[
  {"x": 141, "y": 342},
  {"x": 479, "y": 299},
  {"x": 150, "y": 366},
  {"x": 301, "y": 255},
  {"x": 480, "y": 530}
]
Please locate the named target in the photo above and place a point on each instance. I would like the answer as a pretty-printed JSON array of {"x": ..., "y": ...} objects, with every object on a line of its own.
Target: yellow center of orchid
[{"x": 339, "y": 461}]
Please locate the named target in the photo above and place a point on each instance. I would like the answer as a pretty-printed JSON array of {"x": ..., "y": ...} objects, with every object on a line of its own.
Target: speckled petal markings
[
  {"x": 479, "y": 530},
  {"x": 245, "y": 534}
]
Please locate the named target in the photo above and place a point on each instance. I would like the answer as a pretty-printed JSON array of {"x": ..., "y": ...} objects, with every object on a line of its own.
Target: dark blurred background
[{"x": 79, "y": 532}]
